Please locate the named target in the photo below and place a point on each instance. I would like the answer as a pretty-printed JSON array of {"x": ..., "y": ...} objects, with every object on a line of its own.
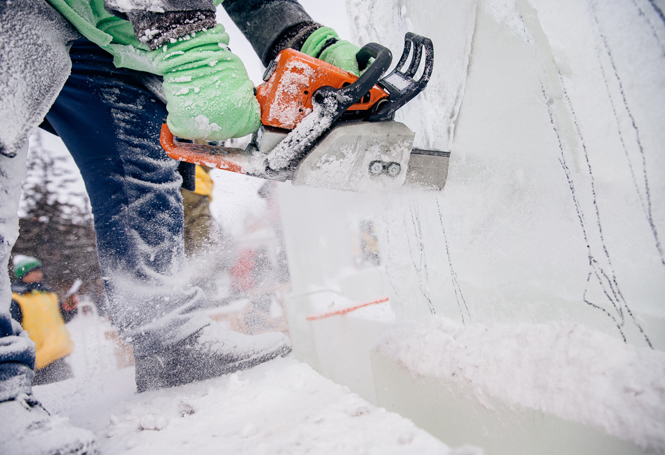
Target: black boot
[{"x": 210, "y": 352}]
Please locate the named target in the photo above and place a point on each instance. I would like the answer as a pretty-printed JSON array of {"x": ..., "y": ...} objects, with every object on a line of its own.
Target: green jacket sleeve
[{"x": 111, "y": 33}]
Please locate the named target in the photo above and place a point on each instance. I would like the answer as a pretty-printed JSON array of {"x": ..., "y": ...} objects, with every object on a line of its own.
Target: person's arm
[
  {"x": 15, "y": 312},
  {"x": 271, "y": 25},
  {"x": 274, "y": 25},
  {"x": 160, "y": 21},
  {"x": 207, "y": 91},
  {"x": 68, "y": 308}
]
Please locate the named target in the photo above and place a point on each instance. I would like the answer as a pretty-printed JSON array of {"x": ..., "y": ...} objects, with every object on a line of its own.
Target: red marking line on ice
[{"x": 346, "y": 310}]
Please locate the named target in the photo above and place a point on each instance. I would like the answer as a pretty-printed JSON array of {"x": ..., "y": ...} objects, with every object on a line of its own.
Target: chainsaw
[{"x": 325, "y": 127}]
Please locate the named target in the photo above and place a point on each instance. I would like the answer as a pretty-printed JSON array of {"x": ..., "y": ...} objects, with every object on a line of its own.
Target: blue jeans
[{"x": 110, "y": 124}]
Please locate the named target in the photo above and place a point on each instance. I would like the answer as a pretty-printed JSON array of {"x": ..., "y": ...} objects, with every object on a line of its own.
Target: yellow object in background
[
  {"x": 43, "y": 322},
  {"x": 204, "y": 183}
]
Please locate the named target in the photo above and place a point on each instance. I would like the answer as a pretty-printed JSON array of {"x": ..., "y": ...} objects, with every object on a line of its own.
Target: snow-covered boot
[
  {"x": 210, "y": 352},
  {"x": 27, "y": 429}
]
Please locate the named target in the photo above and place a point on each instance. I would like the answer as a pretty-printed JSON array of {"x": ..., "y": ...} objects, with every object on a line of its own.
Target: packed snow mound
[
  {"x": 560, "y": 368},
  {"x": 282, "y": 406},
  {"x": 29, "y": 430}
]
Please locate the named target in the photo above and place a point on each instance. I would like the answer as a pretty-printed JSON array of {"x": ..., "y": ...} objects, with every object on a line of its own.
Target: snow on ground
[
  {"x": 279, "y": 407},
  {"x": 559, "y": 367}
]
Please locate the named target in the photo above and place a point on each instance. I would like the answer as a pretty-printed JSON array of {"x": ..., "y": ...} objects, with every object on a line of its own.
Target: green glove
[
  {"x": 342, "y": 54},
  {"x": 208, "y": 93}
]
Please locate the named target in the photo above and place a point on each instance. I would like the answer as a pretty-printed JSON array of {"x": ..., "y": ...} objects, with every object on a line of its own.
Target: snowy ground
[
  {"x": 280, "y": 407},
  {"x": 559, "y": 368}
]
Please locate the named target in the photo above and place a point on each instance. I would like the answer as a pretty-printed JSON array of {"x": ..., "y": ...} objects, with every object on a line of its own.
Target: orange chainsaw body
[
  {"x": 292, "y": 79},
  {"x": 228, "y": 159},
  {"x": 285, "y": 99},
  {"x": 312, "y": 113}
]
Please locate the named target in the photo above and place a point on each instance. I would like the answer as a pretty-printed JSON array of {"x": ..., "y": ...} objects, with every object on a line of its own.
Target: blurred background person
[
  {"x": 209, "y": 250},
  {"x": 199, "y": 223},
  {"x": 39, "y": 311}
]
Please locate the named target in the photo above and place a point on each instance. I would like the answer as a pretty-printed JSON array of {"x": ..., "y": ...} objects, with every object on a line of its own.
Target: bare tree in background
[{"x": 60, "y": 234}]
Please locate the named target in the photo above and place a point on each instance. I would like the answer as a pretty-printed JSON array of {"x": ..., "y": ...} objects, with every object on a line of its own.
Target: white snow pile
[
  {"x": 279, "y": 407},
  {"x": 561, "y": 368},
  {"x": 284, "y": 411}
]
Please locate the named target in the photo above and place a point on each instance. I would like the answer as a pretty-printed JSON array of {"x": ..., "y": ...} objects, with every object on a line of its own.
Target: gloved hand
[
  {"x": 341, "y": 53},
  {"x": 208, "y": 93}
]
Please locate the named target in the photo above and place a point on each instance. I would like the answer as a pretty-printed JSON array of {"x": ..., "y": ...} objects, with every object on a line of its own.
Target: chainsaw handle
[
  {"x": 348, "y": 96},
  {"x": 382, "y": 60},
  {"x": 371, "y": 50}
]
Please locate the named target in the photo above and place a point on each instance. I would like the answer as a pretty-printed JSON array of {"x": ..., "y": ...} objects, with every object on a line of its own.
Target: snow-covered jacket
[
  {"x": 205, "y": 86},
  {"x": 127, "y": 29},
  {"x": 108, "y": 23}
]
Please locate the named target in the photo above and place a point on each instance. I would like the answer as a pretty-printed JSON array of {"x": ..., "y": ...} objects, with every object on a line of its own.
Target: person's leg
[
  {"x": 17, "y": 351},
  {"x": 34, "y": 65},
  {"x": 110, "y": 123}
]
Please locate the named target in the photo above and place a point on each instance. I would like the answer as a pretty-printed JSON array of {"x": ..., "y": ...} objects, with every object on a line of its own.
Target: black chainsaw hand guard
[{"x": 400, "y": 84}]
